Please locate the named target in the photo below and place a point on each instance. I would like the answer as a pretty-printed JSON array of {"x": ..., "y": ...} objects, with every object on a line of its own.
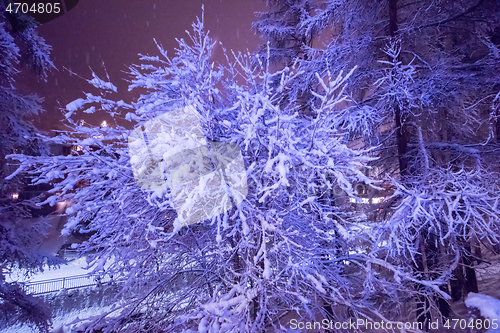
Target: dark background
[{"x": 107, "y": 35}]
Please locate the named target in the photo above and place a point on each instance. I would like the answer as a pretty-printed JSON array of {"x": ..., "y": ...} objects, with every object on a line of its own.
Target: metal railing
[
  {"x": 70, "y": 282},
  {"x": 69, "y": 254}
]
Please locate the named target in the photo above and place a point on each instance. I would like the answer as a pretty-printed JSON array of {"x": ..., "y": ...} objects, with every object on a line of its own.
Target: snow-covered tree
[
  {"x": 285, "y": 28},
  {"x": 286, "y": 245},
  {"x": 425, "y": 93},
  {"x": 18, "y": 243}
]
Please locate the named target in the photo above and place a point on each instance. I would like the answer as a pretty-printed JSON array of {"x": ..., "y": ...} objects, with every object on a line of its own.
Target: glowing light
[
  {"x": 359, "y": 200},
  {"x": 104, "y": 123},
  {"x": 15, "y": 196},
  {"x": 62, "y": 204}
]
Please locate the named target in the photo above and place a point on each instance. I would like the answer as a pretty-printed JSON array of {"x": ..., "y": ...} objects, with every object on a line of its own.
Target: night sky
[{"x": 114, "y": 32}]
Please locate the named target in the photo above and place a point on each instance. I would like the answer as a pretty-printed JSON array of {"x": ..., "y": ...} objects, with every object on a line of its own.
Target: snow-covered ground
[
  {"x": 64, "y": 323},
  {"x": 489, "y": 307},
  {"x": 75, "y": 267}
]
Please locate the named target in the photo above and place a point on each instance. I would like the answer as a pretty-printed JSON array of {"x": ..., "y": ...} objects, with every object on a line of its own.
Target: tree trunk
[
  {"x": 470, "y": 284},
  {"x": 457, "y": 282},
  {"x": 422, "y": 313},
  {"x": 402, "y": 139}
]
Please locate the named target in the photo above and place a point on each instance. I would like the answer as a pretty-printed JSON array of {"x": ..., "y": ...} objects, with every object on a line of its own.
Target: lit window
[
  {"x": 359, "y": 200},
  {"x": 15, "y": 196}
]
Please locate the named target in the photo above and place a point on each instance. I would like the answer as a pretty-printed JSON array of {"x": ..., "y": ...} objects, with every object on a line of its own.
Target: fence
[
  {"x": 70, "y": 282},
  {"x": 69, "y": 254}
]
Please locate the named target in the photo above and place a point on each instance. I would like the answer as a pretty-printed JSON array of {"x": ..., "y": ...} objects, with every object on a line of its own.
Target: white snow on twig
[{"x": 101, "y": 84}]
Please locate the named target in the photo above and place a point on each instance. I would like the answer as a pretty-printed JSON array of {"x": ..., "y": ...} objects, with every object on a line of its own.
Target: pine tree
[
  {"x": 281, "y": 247},
  {"x": 18, "y": 244},
  {"x": 427, "y": 86}
]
